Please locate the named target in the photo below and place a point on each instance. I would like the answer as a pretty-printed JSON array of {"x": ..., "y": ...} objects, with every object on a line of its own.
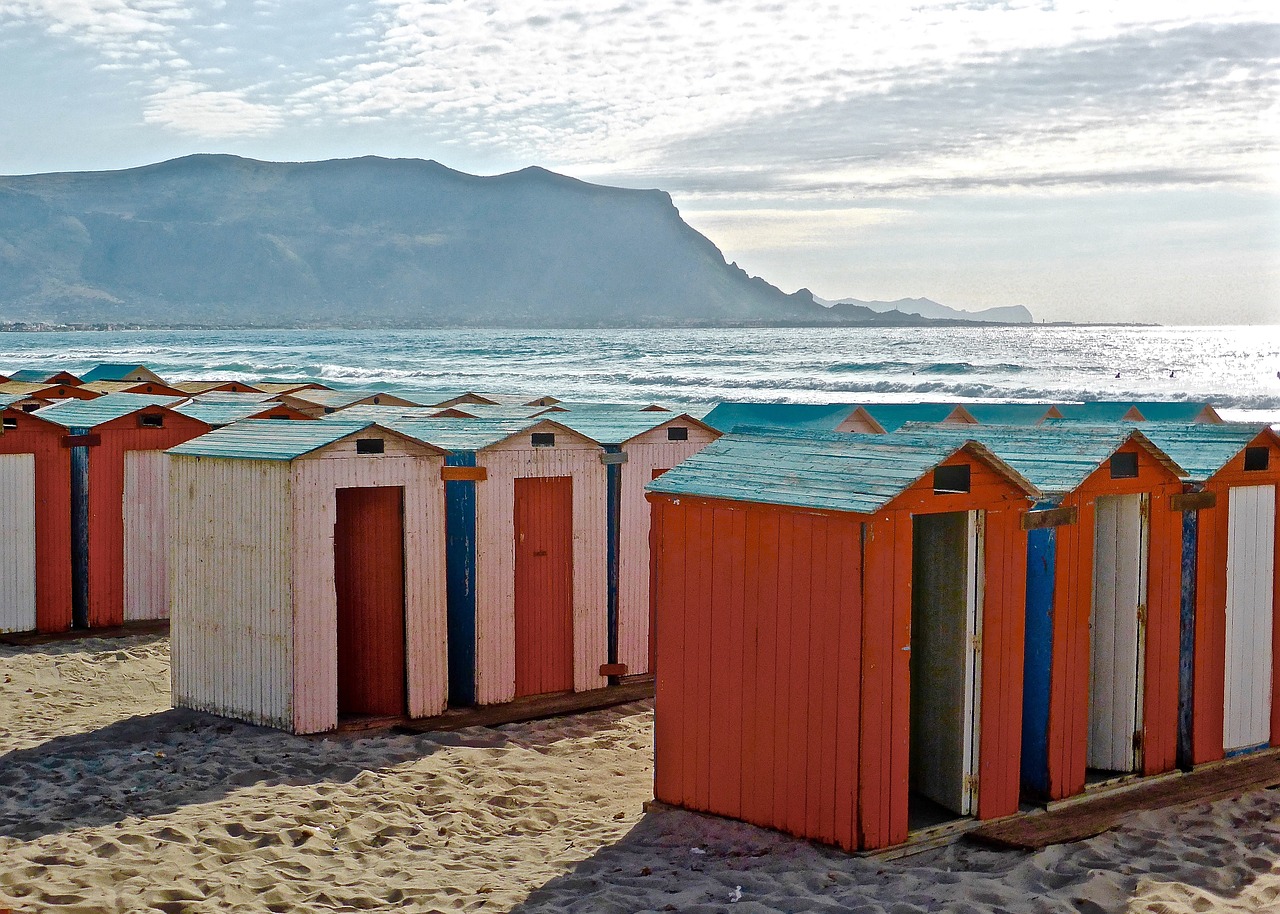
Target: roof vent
[
  {"x": 678, "y": 433},
  {"x": 1124, "y": 466},
  {"x": 1256, "y": 458},
  {"x": 951, "y": 480},
  {"x": 370, "y": 445}
]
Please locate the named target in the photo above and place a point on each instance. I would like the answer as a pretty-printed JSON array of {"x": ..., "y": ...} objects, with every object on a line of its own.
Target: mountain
[{"x": 1015, "y": 314}]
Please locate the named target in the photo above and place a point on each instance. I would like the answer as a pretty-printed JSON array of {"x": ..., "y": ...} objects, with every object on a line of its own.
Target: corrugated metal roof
[
  {"x": 381, "y": 413},
  {"x": 112, "y": 371},
  {"x": 1173, "y": 411},
  {"x": 1008, "y": 413},
  {"x": 813, "y": 417},
  {"x": 892, "y": 416},
  {"x": 218, "y": 413},
  {"x": 467, "y": 434},
  {"x": 617, "y": 427},
  {"x": 92, "y": 413},
  {"x": 837, "y": 472},
  {"x": 1057, "y": 457},
  {"x": 1095, "y": 411},
  {"x": 269, "y": 439},
  {"x": 38, "y": 375}
]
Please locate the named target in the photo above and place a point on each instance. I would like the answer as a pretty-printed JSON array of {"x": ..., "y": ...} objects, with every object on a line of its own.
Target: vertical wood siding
[
  {"x": 17, "y": 542},
  {"x": 107, "y": 507},
  {"x": 52, "y": 515},
  {"x": 1250, "y": 586},
  {"x": 1068, "y": 730},
  {"x": 783, "y": 674},
  {"x": 315, "y": 481},
  {"x": 230, "y": 585},
  {"x": 645, "y": 454},
  {"x": 146, "y": 488},
  {"x": 495, "y": 560},
  {"x": 544, "y": 585}
]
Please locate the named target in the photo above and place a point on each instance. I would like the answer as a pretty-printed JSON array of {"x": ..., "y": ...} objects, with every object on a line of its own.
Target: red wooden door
[
  {"x": 368, "y": 562},
  {"x": 544, "y": 585}
]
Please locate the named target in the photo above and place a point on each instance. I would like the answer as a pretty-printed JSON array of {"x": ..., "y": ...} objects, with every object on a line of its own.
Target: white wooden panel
[
  {"x": 1119, "y": 589},
  {"x": 17, "y": 542},
  {"x": 1251, "y": 531},
  {"x": 645, "y": 454},
  {"x": 315, "y": 484},
  {"x": 230, "y": 589},
  {"x": 146, "y": 593},
  {"x": 496, "y": 561}
]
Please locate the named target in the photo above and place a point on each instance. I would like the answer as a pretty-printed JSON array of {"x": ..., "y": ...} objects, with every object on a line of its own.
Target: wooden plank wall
[
  {"x": 107, "y": 508},
  {"x": 146, "y": 484},
  {"x": 17, "y": 542},
  {"x": 231, "y": 590},
  {"x": 52, "y": 514},
  {"x": 1209, "y": 694},
  {"x": 315, "y": 481},
  {"x": 651, "y": 451},
  {"x": 1068, "y": 730},
  {"x": 495, "y": 559}
]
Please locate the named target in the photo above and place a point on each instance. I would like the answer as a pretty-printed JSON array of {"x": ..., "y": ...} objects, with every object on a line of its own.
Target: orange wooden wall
[
  {"x": 1072, "y": 600},
  {"x": 106, "y": 502},
  {"x": 783, "y": 686},
  {"x": 543, "y": 584},
  {"x": 1211, "y": 607},
  {"x": 53, "y": 514}
]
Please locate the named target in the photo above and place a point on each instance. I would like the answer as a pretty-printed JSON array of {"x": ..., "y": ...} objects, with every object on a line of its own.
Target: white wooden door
[
  {"x": 1116, "y": 636},
  {"x": 947, "y": 592},
  {"x": 1251, "y": 537},
  {"x": 146, "y": 586},
  {"x": 17, "y": 542}
]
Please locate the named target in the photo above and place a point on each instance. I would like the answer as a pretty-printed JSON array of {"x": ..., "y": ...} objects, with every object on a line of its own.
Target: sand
[{"x": 109, "y": 801}]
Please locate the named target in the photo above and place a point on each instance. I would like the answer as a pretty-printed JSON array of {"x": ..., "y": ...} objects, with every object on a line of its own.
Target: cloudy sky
[{"x": 1093, "y": 161}]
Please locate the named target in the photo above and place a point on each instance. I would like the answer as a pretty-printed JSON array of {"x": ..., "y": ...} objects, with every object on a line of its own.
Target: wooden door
[
  {"x": 1116, "y": 624},
  {"x": 368, "y": 564},
  {"x": 146, "y": 584},
  {"x": 544, "y": 584},
  {"x": 1251, "y": 522},
  {"x": 17, "y": 542},
  {"x": 946, "y": 594}
]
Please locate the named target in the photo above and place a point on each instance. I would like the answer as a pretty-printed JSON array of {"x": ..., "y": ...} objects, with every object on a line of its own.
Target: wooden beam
[
  {"x": 464, "y": 474},
  {"x": 1193, "y": 501},
  {"x": 1052, "y": 517},
  {"x": 533, "y": 707},
  {"x": 81, "y": 440}
]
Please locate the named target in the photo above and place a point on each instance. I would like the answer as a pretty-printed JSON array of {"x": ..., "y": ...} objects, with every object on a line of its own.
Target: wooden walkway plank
[
  {"x": 533, "y": 707},
  {"x": 128, "y": 629}
]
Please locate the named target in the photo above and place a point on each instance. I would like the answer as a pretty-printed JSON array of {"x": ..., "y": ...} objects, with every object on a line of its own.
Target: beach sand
[{"x": 110, "y": 801}]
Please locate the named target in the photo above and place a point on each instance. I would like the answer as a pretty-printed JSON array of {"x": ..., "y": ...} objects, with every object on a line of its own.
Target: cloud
[{"x": 195, "y": 110}]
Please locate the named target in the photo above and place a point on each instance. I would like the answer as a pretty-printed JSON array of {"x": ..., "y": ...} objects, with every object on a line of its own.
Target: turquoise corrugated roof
[
  {"x": 856, "y": 473},
  {"x": 6, "y": 399},
  {"x": 811, "y": 417},
  {"x": 36, "y": 375},
  {"x": 1008, "y": 413},
  {"x": 1057, "y": 457},
  {"x": 1095, "y": 411},
  {"x": 1201, "y": 449},
  {"x": 219, "y": 413},
  {"x": 92, "y": 413},
  {"x": 338, "y": 399},
  {"x": 617, "y": 427},
  {"x": 111, "y": 371},
  {"x": 268, "y": 439},
  {"x": 1171, "y": 411},
  {"x": 381, "y": 413},
  {"x": 892, "y": 416},
  {"x": 462, "y": 434}
]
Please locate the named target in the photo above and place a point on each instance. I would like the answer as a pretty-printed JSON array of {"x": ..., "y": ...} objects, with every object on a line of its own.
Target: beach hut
[
  {"x": 196, "y": 388},
  {"x": 1231, "y": 586},
  {"x": 324, "y": 402},
  {"x": 217, "y": 413},
  {"x": 154, "y": 388},
  {"x": 118, "y": 481},
  {"x": 640, "y": 446},
  {"x": 1103, "y": 601},
  {"x": 882, "y": 418},
  {"x": 307, "y": 574},
  {"x": 527, "y": 546},
  {"x": 1012, "y": 413},
  {"x": 287, "y": 387},
  {"x": 1178, "y": 412},
  {"x": 35, "y": 524},
  {"x": 118, "y": 371},
  {"x": 42, "y": 376},
  {"x": 839, "y": 633}
]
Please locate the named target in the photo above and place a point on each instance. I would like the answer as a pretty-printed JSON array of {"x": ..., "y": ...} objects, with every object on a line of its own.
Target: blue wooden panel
[
  {"x": 460, "y": 580},
  {"x": 1187, "y": 637},
  {"x": 613, "y": 511},
  {"x": 80, "y": 533},
  {"x": 1037, "y": 658}
]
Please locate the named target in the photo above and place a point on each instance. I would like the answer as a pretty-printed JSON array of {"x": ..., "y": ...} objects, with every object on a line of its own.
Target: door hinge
[
  {"x": 976, "y": 643},
  {"x": 971, "y": 783},
  {"x": 1142, "y": 613},
  {"x": 1137, "y": 741}
]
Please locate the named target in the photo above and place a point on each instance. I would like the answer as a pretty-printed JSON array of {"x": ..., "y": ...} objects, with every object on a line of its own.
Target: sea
[{"x": 1235, "y": 368}]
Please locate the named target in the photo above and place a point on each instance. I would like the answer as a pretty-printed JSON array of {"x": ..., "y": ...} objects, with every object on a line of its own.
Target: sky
[{"x": 1092, "y": 161}]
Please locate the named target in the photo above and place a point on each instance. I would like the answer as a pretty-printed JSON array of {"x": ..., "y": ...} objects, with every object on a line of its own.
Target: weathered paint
[
  {"x": 146, "y": 484},
  {"x": 17, "y": 542},
  {"x": 1250, "y": 585},
  {"x": 1038, "y": 657},
  {"x": 543, "y": 584},
  {"x": 783, "y": 687},
  {"x": 1209, "y": 695},
  {"x": 1187, "y": 639},
  {"x": 504, "y": 462},
  {"x": 1068, "y": 726},
  {"x": 26, "y": 434},
  {"x": 460, "y": 533},
  {"x": 647, "y": 455}
]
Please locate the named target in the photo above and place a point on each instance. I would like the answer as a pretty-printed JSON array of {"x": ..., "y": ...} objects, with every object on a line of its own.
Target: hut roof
[
  {"x": 95, "y": 412},
  {"x": 227, "y": 396},
  {"x": 1177, "y": 411},
  {"x": 473, "y": 434},
  {"x": 119, "y": 371},
  {"x": 43, "y": 375},
  {"x": 835, "y": 472},
  {"x": 813, "y": 417},
  {"x": 1203, "y": 449},
  {"x": 892, "y": 416},
  {"x": 284, "y": 387},
  {"x": 1010, "y": 413},
  {"x": 340, "y": 399},
  {"x": 371, "y": 413},
  {"x": 203, "y": 387},
  {"x": 218, "y": 413},
  {"x": 610, "y": 408},
  {"x": 271, "y": 439},
  {"x": 1057, "y": 457},
  {"x": 617, "y": 428},
  {"x": 1098, "y": 411}
]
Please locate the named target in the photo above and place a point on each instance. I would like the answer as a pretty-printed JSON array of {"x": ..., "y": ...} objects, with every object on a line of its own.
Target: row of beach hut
[{"x": 859, "y": 634}]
